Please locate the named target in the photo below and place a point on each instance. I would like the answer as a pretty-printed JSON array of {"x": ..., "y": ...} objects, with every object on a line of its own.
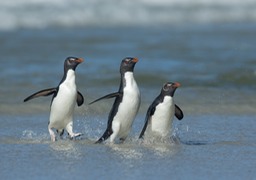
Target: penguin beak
[
  {"x": 79, "y": 60},
  {"x": 135, "y": 60},
  {"x": 176, "y": 85}
]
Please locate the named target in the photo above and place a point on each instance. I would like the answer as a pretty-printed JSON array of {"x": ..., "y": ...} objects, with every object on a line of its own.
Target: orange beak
[
  {"x": 176, "y": 84},
  {"x": 135, "y": 60},
  {"x": 79, "y": 60}
]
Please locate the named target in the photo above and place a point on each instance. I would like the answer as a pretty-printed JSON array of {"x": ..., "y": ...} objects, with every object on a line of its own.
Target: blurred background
[
  {"x": 206, "y": 45},
  {"x": 39, "y": 14}
]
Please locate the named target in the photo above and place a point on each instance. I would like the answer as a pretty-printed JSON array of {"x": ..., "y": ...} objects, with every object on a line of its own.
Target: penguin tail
[
  {"x": 141, "y": 136},
  {"x": 99, "y": 140},
  {"x": 104, "y": 137}
]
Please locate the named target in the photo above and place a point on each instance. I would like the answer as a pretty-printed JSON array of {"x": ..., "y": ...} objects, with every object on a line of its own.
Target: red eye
[
  {"x": 71, "y": 60},
  {"x": 165, "y": 88}
]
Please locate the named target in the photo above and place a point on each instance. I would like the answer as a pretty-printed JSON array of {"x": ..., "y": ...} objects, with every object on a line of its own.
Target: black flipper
[
  {"x": 80, "y": 99},
  {"x": 150, "y": 112},
  {"x": 45, "y": 92},
  {"x": 112, "y": 95},
  {"x": 178, "y": 112}
]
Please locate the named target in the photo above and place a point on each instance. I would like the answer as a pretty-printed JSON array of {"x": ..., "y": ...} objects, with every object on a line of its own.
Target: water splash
[{"x": 29, "y": 136}]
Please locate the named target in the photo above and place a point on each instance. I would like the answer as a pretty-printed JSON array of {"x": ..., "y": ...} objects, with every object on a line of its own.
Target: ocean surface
[{"x": 207, "y": 46}]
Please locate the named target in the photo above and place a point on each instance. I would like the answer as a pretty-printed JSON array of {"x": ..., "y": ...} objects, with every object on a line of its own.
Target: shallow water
[
  {"x": 214, "y": 61},
  {"x": 210, "y": 147},
  {"x": 217, "y": 135}
]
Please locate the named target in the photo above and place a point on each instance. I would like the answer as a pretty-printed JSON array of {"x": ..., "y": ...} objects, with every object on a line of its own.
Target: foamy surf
[{"x": 77, "y": 13}]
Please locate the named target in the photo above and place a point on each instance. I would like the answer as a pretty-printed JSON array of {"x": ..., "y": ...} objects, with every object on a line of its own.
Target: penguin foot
[
  {"x": 78, "y": 134},
  {"x": 74, "y": 135},
  {"x": 121, "y": 140},
  {"x": 53, "y": 137}
]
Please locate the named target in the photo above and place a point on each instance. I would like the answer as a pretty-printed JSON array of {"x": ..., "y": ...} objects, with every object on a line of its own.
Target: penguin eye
[
  {"x": 71, "y": 60},
  {"x": 165, "y": 88},
  {"x": 127, "y": 61}
]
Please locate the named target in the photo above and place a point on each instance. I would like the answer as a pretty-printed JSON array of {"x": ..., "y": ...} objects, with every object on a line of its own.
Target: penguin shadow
[{"x": 196, "y": 143}]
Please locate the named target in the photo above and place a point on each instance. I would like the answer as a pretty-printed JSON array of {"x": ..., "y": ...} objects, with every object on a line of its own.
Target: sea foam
[{"x": 40, "y": 14}]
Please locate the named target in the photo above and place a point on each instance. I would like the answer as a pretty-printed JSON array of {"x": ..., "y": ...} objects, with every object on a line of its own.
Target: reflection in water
[
  {"x": 127, "y": 151},
  {"x": 162, "y": 146},
  {"x": 138, "y": 149},
  {"x": 163, "y": 149},
  {"x": 65, "y": 150}
]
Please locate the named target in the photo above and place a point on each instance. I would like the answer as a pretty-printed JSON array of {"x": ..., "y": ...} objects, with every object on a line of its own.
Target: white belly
[
  {"x": 63, "y": 105},
  {"x": 128, "y": 109},
  {"x": 161, "y": 121}
]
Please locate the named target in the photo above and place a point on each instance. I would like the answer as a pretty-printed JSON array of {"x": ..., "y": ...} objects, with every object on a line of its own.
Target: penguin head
[
  {"x": 71, "y": 63},
  {"x": 128, "y": 64},
  {"x": 169, "y": 88}
]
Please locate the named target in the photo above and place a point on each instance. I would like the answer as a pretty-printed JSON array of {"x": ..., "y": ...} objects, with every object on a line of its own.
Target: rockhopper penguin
[
  {"x": 65, "y": 96},
  {"x": 126, "y": 104},
  {"x": 160, "y": 114}
]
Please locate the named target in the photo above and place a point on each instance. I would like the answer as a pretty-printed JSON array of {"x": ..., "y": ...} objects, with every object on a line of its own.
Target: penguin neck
[
  {"x": 69, "y": 77},
  {"x": 127, "y": 79},
  {"x": 163, "y": 96}
]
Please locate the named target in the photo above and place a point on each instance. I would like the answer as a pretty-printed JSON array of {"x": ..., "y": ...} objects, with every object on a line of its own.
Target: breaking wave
[{"x": 40, "y": 14}]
